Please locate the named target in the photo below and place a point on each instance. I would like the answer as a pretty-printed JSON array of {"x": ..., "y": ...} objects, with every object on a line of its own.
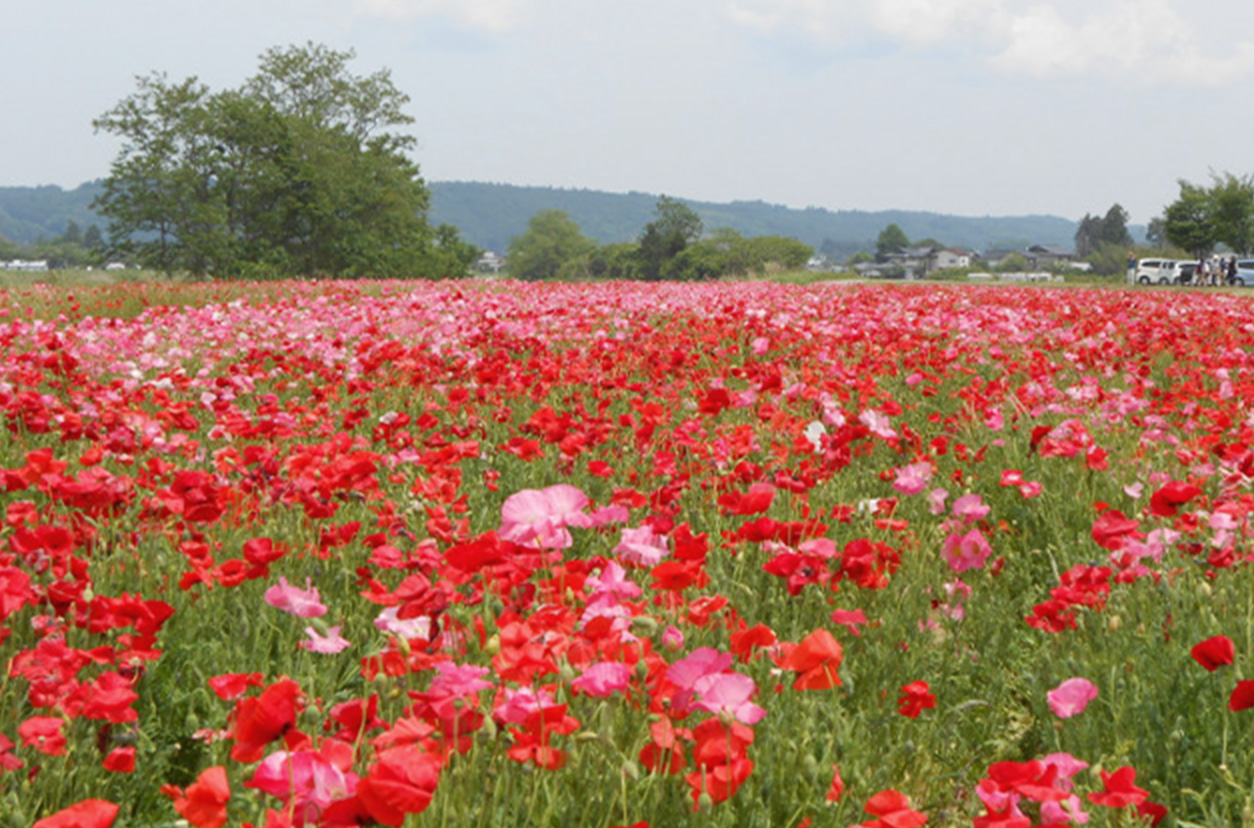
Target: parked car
[
  {"x": 1245, "y": 273},
  {"x": 1164, "y": 272}
]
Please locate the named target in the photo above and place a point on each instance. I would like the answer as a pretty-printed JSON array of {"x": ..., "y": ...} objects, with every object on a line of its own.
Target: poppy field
[{"x": 498, "y": 554}]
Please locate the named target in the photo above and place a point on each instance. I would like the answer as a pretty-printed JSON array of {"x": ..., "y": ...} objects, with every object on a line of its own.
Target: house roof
[{"x": 1051, "y": 250}]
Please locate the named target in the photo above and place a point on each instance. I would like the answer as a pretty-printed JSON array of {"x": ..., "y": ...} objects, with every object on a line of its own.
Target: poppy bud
[
  {"x": 631, "y": 770},
  {"x": 644, "y": 625}
]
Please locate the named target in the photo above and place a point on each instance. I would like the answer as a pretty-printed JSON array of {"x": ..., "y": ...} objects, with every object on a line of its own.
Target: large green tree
[
  {"x": 674, "y": 227},
  {"x": 1096, "y": 232},
  {"x": 1232, "y": 210},
  {"x": 303, "y": 170},
  {"x": 551, "y": 240},
  {"x": 892, "y": 239},
  {"x": 1189, "y": 221}
]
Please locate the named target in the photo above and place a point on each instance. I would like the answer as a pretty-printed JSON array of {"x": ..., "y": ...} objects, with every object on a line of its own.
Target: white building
[{"x": 25, "y": 265}]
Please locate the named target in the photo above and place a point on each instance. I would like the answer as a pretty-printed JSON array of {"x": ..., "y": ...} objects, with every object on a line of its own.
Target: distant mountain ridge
[
  {"x": 489, "y": 215},
  {"x": 30, "y": 213}
]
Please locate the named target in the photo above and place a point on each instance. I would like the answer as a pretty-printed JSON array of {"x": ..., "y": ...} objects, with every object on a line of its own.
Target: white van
[{"x": 1162, "y": 272}]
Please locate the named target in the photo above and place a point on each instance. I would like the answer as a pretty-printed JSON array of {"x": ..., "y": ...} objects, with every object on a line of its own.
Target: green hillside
[
  {"x": 30, "y": 213},
  {"x": 489, "y": 215}
]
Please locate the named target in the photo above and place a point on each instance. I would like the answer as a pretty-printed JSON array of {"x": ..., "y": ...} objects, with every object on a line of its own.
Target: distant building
[
  {"x": 25, "y": 265},
  {"x": 951, "y": 257},
  {"x": 819, "y": 263},
  {"x": 913, "y": 262},
  {"x": 1044, "y": 255},
  {"x": 489, "y": 262}
]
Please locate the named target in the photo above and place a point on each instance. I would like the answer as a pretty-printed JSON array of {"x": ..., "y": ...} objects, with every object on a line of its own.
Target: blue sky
[{"x": 972, "y": 107}]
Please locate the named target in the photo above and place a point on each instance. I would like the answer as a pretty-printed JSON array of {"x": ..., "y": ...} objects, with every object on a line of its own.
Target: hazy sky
[{"x": 973, "y": 107}]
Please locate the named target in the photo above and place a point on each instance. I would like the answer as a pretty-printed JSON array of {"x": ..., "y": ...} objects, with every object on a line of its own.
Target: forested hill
[
  {"x": 30, "y": 213},
  {"x": 489, "y": 215}
]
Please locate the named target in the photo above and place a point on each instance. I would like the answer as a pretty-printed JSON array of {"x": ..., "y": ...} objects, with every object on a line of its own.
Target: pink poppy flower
[
  {"x": 388, "y": 622},
  {"x": 641, "y": 546},
  {"x": 330, "y": 643},
  {"x": 913, "y": 479},
  {"x": 728, "y": 694},
  {"x": 968, "y": 551},
  {"x": 304, "y": 603},
  {"x": 672, "y": 638},
  {"x": 521, "y": 703},
  {"x": 613, "y": 582},
  {"x": 878, "y": 423},
  {"x": 603, "y": 679},
  {"x": 936, "y": 501},
  {"x": 458, "y": 680},
  {"x": 538, "y": 517},
  {"x": 970, "y": 508},
  {"x": 686, "y": 672},
  {"x": 1068, "y": 766},
  {"x": 849, "y": 619},
  {"x": 306, "y": 780},
  {"x": 1071, "y": 697}
]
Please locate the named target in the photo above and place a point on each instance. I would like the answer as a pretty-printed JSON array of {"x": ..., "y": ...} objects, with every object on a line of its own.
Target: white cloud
[
  {"x": 933, "y": 21},
  {"x": 489, "y": 15},
  {"x": 1145, "y": 40}
]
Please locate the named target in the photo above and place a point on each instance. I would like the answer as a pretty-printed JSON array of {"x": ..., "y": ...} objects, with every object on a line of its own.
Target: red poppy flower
[
  {"x": 1120, "y": 790},
  {"x": 1165, "y": 501},
  {"x": 915, "y": 699},
  {"x": 1242, "y": 697},
  {"x": 1153, "y": 811},
  {"x": 43, "y": 733},
  {"x": 1214, "y": 653},
  {"x": 401, "y": 782},
  {"x": 894, "y": 811},
  {"x": 816, "y": 658},
  {"x": 1112, "y": 530},
  {"x": 233, "y": 685},
  {"x": 120, "y": 760},
  {"x": 204, "y": 803},
  {"x": 719, "y": 781},
  {"x": 260, "y": 720},
  {"x": 90, "y": 813},
  {"x": 837, "y": 789}
]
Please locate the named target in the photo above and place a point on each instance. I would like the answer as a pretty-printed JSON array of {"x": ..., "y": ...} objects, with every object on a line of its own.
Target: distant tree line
[
  {"x": 671, "y": 246},
  {"x": 75, "y": 247}
]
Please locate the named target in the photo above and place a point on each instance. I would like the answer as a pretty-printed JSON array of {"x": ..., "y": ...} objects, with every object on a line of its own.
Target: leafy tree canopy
[
  {"x": 891, "y": 240},
  {"x": 674, "y": 227},
  {"x": 1096, "y": 231},
  {"x": 1189, "y": 221},
  {"x": 300, "y": 171},
  {"x": 552, "y": 239}
]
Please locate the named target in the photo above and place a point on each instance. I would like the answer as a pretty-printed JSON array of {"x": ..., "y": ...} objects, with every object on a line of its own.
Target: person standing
[
  {"x": 1131, "y": 267},
  {"x": 1232, "y": 270}
]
